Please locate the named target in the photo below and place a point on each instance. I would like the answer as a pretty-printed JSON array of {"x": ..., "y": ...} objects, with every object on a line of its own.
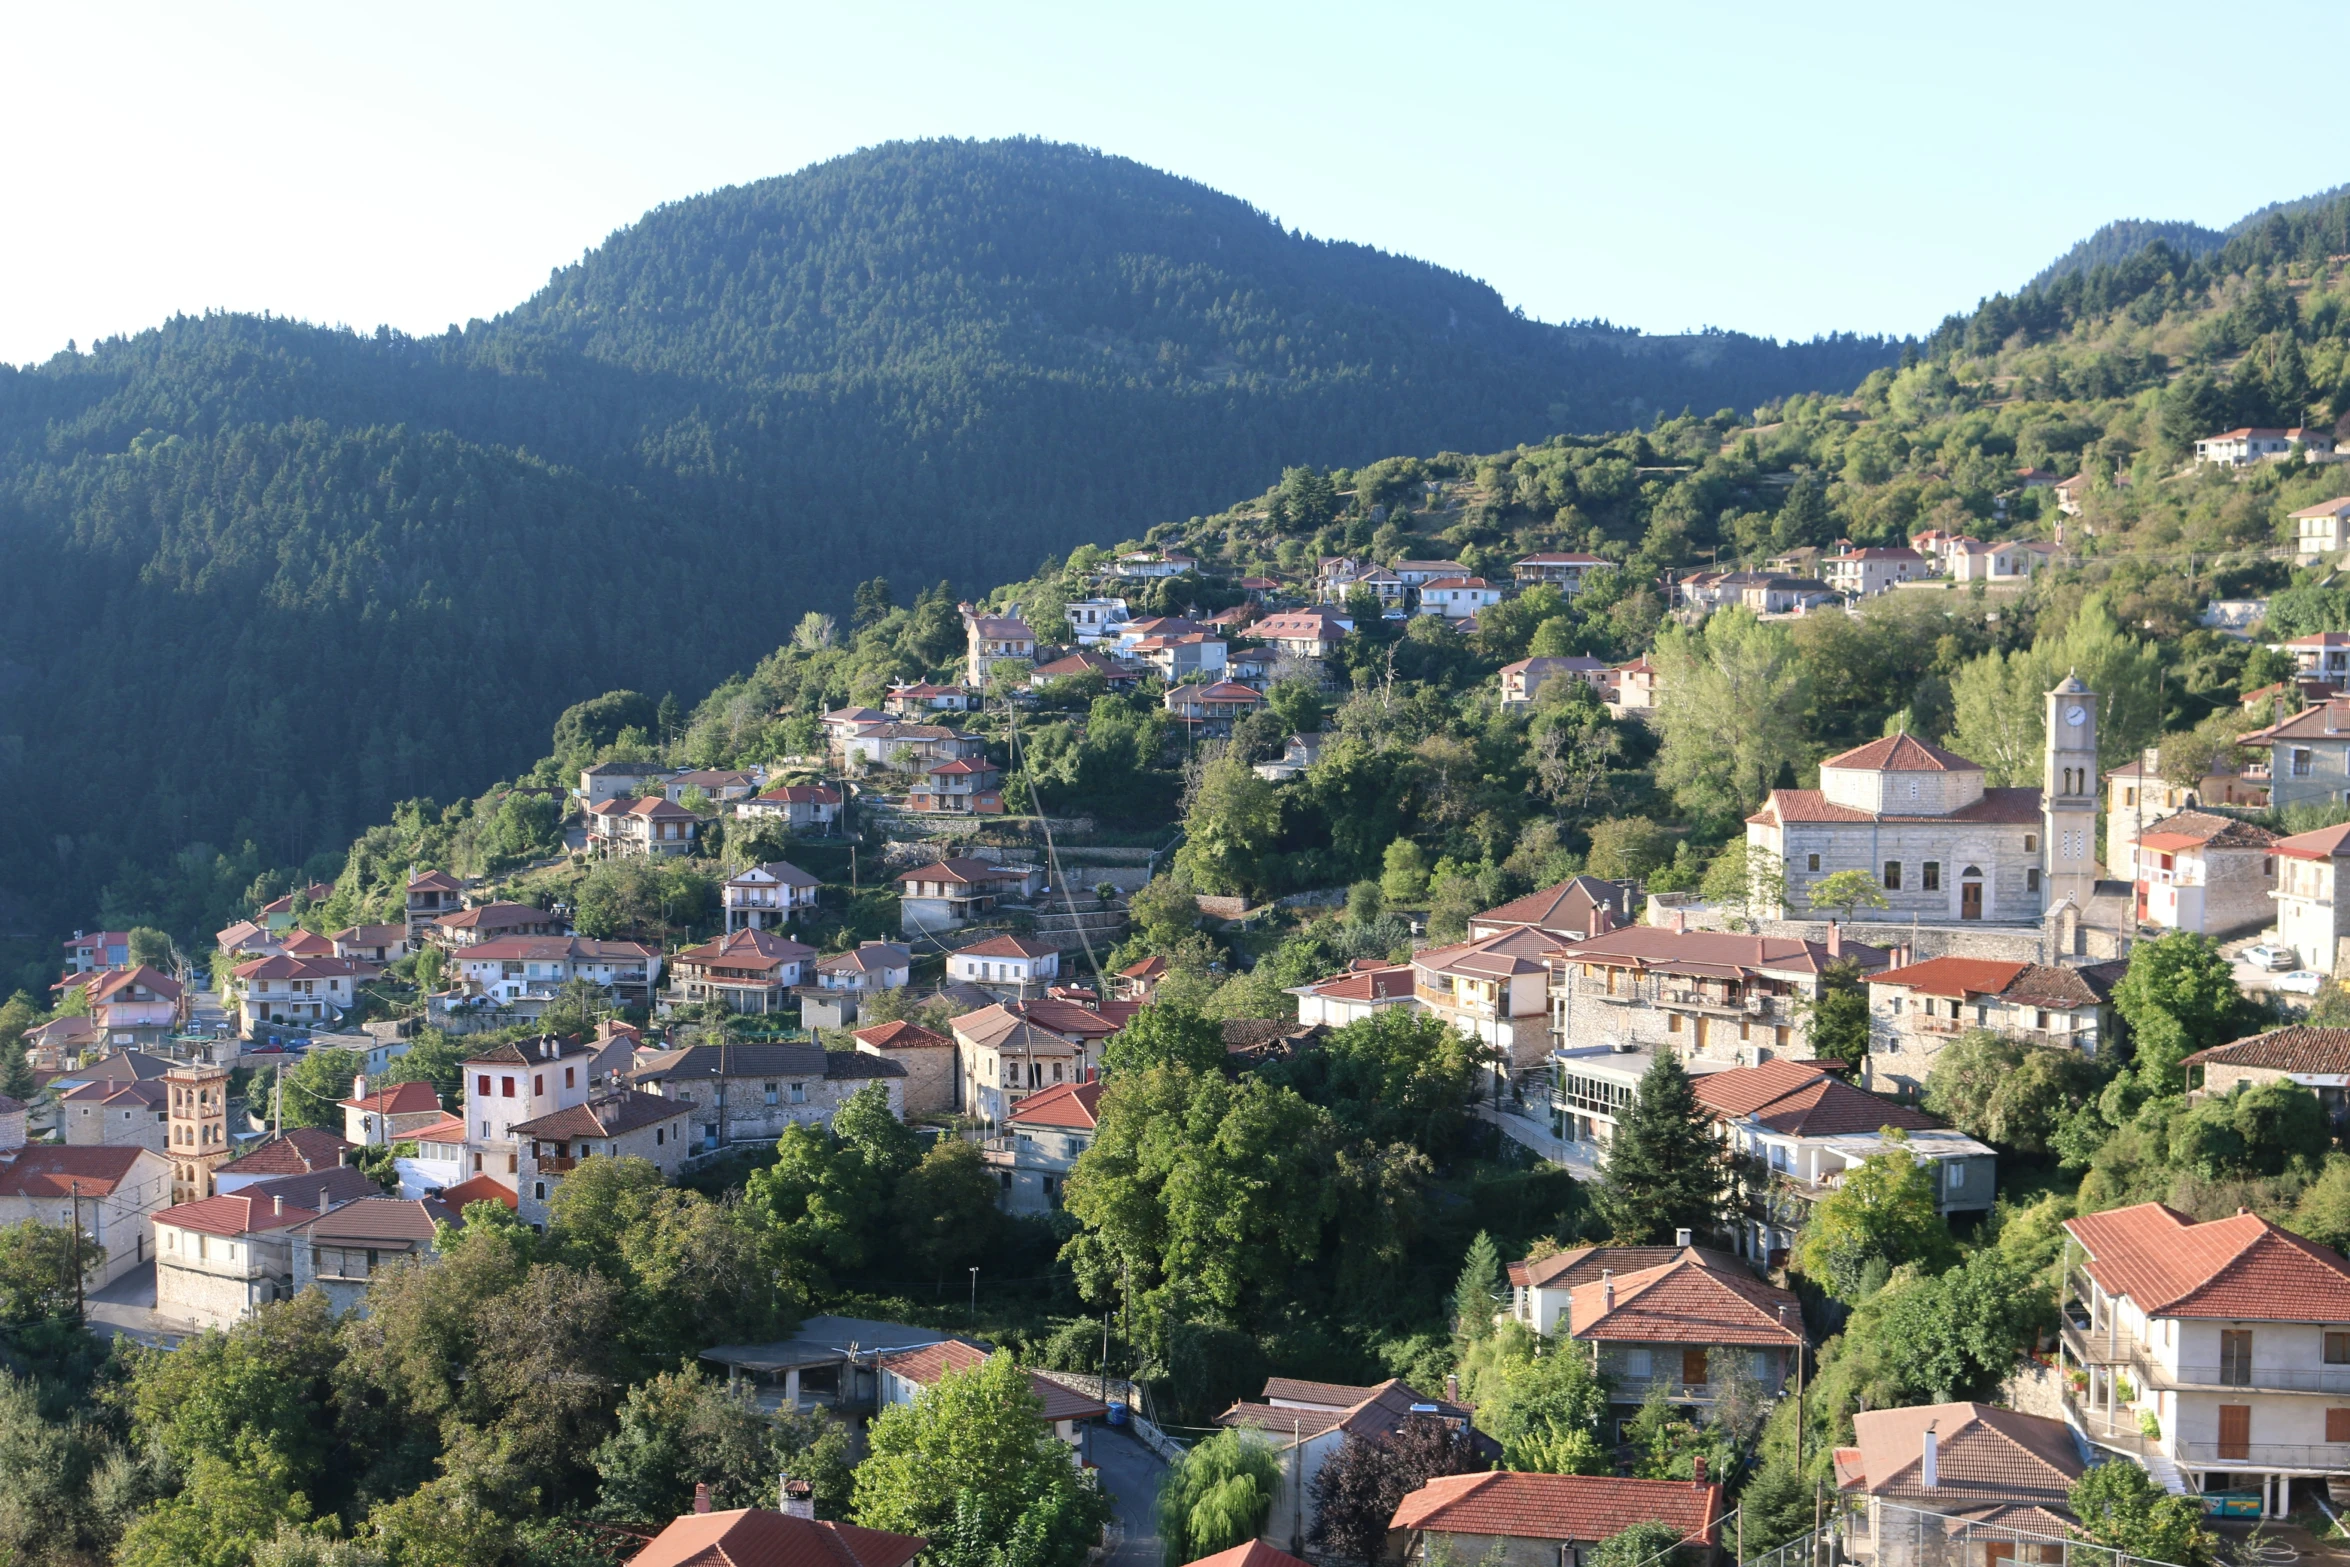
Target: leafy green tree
[
  {"x": 1231, "y": 825},
  {"x": 1961, "y": 1334},
  {"x": 977, "y": 1434},
  {"x": 945, "y": 1208},
  {"x": 36, "y": 1272},
  {"x": 597, "y": 723},
  {"x": 1404, "y": 874},
  {"x": 1165, "y": 1033},
  {"x": 2000, "y": 699},
  {"x": 431, "y": 1057},
  {"x": 1883, "y": 1213},
  {"x": 1478, "y": 1287},
  {"x": 2257, "y": 1130},
  {"x": 1747, "y": 879},
  {"x": 1639, "y": 1545},
  {"x": 1544, "y": 1404},
  {"x": 1664, "y": 1169},
  {"x": 1217, "y": 1495},
  {"x": 1730, "y": 712},
  {"x": 691, "y": 1268},
  {"x": 1840, "y": 1015},
  {"x": 1627, "y": 848},
  {"x": 316, "y": 1088},
  {"x": 2006, "y": 1092},
  {"x": 1842, "y": 892},
  {"x": 1396, "y": 1076},
  {"x": 2178, "y": 996},
  {"x": 683, "y": 1427},
  {"x": 2121, "y": 1507},
  {"x": 151, "y": 947}
]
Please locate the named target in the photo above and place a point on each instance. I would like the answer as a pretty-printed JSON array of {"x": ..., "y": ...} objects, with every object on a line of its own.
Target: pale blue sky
[{"x": 1785, "y": 169}]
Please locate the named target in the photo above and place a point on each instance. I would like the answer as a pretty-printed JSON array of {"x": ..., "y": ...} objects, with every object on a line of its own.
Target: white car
[
  {"x": 2301, "y": 982},
  {"x": 2271, "y": 958}
]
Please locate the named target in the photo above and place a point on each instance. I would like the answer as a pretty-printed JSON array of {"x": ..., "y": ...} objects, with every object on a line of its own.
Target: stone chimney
[
  {"x": 1835, "y": 939},
  {"x": 701, "y": 1496},
  {"x": 1607, "y": 1289},
  {"x": 1452, "y": 1388},
  {"x": 1676, "y": 921},
  {"x": 799, "y": 1498},
  {"x": 1930, "y": 1466},
  {"x": 1697, "y": 1471}
]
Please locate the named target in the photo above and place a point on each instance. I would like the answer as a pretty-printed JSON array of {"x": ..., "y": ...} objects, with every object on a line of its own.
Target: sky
[{"x": 1788, "y": 170}]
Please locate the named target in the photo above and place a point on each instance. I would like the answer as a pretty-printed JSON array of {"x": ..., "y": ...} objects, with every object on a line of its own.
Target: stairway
[{"x": 2164, "y": 1472}]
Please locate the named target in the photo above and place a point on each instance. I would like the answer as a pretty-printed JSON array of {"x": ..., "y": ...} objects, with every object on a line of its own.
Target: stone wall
[{"x": 193, "y": 1295}]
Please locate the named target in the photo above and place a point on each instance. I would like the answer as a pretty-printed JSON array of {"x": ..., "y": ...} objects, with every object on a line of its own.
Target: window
[
  {"x": 481, "y": 1085},
  {"x": 570, "y": 1077},
  {"x": 1672, "y": 1022},
  {"x": 538, "y": 1085},
  {"x": 2338, "y": 1425},
  {"x": 1815, "y": 862},
  {"x": 2300, "y": 763},
  {"x": 2235, "y": 1358},
  {"x": 513, "y": 1163},
  {"x": 2031, "y": 843},
  {"x": 661, "y": 1133},
  {"x": 505, "y": 1088},
  {"x": 1957, "y": 1181},
  {"x": 2031, "y": 878},
  {"x": 799, "y": 1093},
  {"x": 1892, "y": 875},
  {"x": 1638, "y": 1364},
  {"x": 2338, "y": 1349},
  {"x": 1930, "y": 876},
  {"x": 773, "y": 1093}
]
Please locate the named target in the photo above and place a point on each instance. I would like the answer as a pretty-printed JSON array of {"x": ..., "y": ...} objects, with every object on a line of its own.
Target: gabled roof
[
  {"x": 803, "y": 794},
  {"x": 2204, "y": 830},
  {"x": 926, "y": 1363},
  {"x": 1902, "y": 753},
  {"x": 122, "y": 1066},
  {"x": 1958, "y": 977},
  {"x": 301, "y": 943},
  {"x": 1566, "y": 1269},
  {"x": 1375, "y": 1418},
  {"x": 148, "y": 1092},
  {"x": 956, "y": 869},
  {"x": 2333, "y": 508},
  {"x": 1984, "y": 1457},
  {"x": 651, "y": 807},
  {"x": 398, "y": 1099},
  {"x": 1000, "y": 629},
  {"x": 49, "y": 1170},
  {"x": 531, "y": 1052},
  {"x": 1003, "y": 1027},
  {"x": 1008, "y": 947},
  {"x": 1256, "y": 1553},
  {"x": 1518, "y": 950},
  {"x": 1145, "y": 968},
  {"x": 1069, "y": 1106},
  {"x": 867, "y": 957},
  {"x": 699, "y": 1062},
  {"x": 2328, "y": 720},
  {"x": 1690, "y": 1300},
  {"x": 1801, "y": 1100},
  {"x": 286, "y": 966},
  {"x": 1559, "y": 558},
  {"x": 1589, "y": 1508},
  {"x": 1554, "y": 907},
  {"x": 962, "y": 765},
  {"x": 1391, "y": 983},
  {"x": 2303, "y": 1047},
  {"x": 754, "y": 1537},
  {"x": 239, "y": 1213},
  {"x": 782, "y": 871},
  {"x": 608, "y": 1117},
  {"x": 386, "y": 1221},
  {"x": 479, "y": 1188},
  {"x": 370, "y": 935},
  {"x": 1653, "y": 947},
  {"x": 112, "y": 982},
  {"x": 2241, "y": 1268},
  {"x": 2326, "y": 843},
  {"x": 496, "y": 916},
  {"x": 300, "y": 1151},
  {"x": 902, "y": 1035}
]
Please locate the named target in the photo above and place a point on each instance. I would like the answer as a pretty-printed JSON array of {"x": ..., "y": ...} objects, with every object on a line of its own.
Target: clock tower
[{"x": 2068, "y": 796}]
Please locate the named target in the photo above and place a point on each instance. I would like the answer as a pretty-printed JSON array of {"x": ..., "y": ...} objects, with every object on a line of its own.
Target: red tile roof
[
  {"x": 754, "y": 1537},
  {"x": 1566, "y": 906},
  {"x": 2241, "y": 1268},
  {"x": 1801, "y": 1100},
  {"x": 1985, "y": 1457},
  {"x": 1902, "y": 753},
  {"x": 285, "y": 966},
  {"x": 1954, "y": 976},
  {"x": 1067, "y": 1105},
  {"x": 2202, "y": 829},
  {"x": 398, "y": 1099},
  {"x": 1998, "y": 807},
  {"x": 481, "y": 1188},
  {"x": 1588, "y": 1508},
  {"x": 235, "y": 1214},
  {"x": 902, "y": 1035},
  {"x": 1566, "y": 1269},
  {"x": 2302, "y": 1047},
  {"x": 925, "y": 1365},
  {"x": 296, "y": 1152},
  {"x": 1007, "y": 947},
  {"x": 1653, "y": 947},
  {"x": 1689, "y": 1300},
  {"x": 307, "y": 944},
  {"x": 1256, "y": 1553},
  {"x": 626, "y": 1112},
  {"x": 2326, "y": 843},
  {"x": 1374, "y": 984},
  {"x": 47, "y": 1170}
]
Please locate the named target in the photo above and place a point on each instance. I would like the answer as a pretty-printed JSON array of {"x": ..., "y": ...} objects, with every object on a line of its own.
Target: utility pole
[
  {"x": 79, "y": 1306},
  {"x": 974, "y": 1300}
]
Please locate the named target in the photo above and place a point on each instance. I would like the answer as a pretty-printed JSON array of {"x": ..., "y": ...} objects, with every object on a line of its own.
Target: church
[{"x": 1937, "y": 844}]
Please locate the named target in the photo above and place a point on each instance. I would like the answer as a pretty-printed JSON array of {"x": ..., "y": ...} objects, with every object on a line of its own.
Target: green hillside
[{"x": 261, "y": 580}]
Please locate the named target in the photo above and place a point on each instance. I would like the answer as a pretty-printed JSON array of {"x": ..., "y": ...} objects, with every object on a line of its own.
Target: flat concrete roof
[{"x": 824, "y": 1341}]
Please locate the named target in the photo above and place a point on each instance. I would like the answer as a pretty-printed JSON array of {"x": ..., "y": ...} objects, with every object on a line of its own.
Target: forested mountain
[
  {"x": 2119, "y": 241},
  {"x": 262, "y": 579}
]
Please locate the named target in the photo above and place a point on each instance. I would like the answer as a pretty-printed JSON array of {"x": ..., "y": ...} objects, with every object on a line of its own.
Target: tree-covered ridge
[{"x": 267, "y": 579}]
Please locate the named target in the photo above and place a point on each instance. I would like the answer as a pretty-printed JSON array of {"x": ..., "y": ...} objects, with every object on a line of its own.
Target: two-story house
[
  {"x": 1091, "y": 620},
  {"x": 607, "y": 781},
  {"x": 1211, "y": 710},
  {"x": 1308, "y": 1422},
  {"x": 641, "y": 825},
  {"x": 278, "y": 913},
  {"x": 1917, "y": 1010},
  {"x": 766, "y": 897},
  {"x": 750, "y": 1093},
  {"x": 1458, "y": 598},
  {"x": 389, "y": 1112},
  {"x": 1369, "y": 986},
  {"x": 511, "y": 1084},
  {"x": 966, "y": 786},
  {"x": 1864, "y": 573},
  {"x": 290, "y": 990},
  {"x": 339, "y": 1253},
  {"x": 1562, "y": 569},
  {"x": 748, "y": 970},
  {"x": 1043, "y": 1135},
  {"x": 1193, "y": 655},
  {"x": 951, "y": 892},
  {"x": 2204, "y": 873},
  {"x": 523, "y": 974},
  {"x": 2312, "y": 1055},
  {"x": 220, "y": 1258},
  {"x": 431, "y": 894},
  {"x": 2310, "y": 918},
  {"x": 1523, "y": 681},
  {"x": 2136, "y": 795},
  {"x": 1576, "y": 909},
  {"x": 2309, "y": 754},
  {"x": 866, "y": 969},
  {"x": 611, "y": 1123},
  {"x": 1793, "y": 1132},
  {"x": 1012, "y": 1049},
  {"x": 1636, "y": 686},
  {"x": 2321, "y": 529},
  {"x": 1924, "y": 1483},
  {"x": 97, "y": 949},
  {"x": 377, "y": 944},
  {"x": 2321, "y": 655},
  {"x": 716, "y": 785},
  {"x": 1693, "y": 1323},
  {"x": 1495, "y": 989},
  {"x": 1011, "y": 966},
  {"x": 111, "y": 1113},
  {"x": 2218, "y": 1352},
  {"x": 135, "y": 1006},
  {"x": 112, "y": 1192},
  {"x": 801, "y": 807},
  {"x": 2249, "y": 444},
  {"x": 991, "y": 640},
  {"x": 1304, "y": 633},
  {"x": 490, "y": 921}
]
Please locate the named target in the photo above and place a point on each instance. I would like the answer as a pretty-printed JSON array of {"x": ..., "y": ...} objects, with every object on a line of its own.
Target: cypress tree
[
  {"x": 1664, "y": 1171},
  {"x": 1480, "y": 1281}
]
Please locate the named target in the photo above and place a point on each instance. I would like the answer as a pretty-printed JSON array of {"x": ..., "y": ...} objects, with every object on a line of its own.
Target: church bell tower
[{"x": 2068, "y": 796}]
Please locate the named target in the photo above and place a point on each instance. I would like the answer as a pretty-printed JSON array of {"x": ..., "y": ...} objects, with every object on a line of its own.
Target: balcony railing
[
  {"x": 556, "y": 1165},
  {"x": 2097, "y": 1347},
  {"x": 2333, "y": 1457},
  {"x": 2255, "y": 1378}
]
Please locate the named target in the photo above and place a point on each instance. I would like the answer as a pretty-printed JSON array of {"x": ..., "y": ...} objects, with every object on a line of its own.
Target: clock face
[{"x": 2076, "y": 716}]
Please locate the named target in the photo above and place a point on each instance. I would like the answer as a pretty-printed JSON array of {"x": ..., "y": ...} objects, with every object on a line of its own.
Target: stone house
[
  {"x": 797, "y": 806},
  {"x": 1495, "y": 989},
  {"x": 749, "y": 1093},
  {"x": 218, "y": 1258},
  {"x": 612, "y": 1123},
  {"x": 1523, "y": 681},
  {"x": 302, "y": 1151},
  {"x": 111, "y": 1113},
  {"x": 906, "y": 1374},
  {"x": 618, "y": 780},
  {"x": 1576, "y": 909},
  {"x": 1506, "y": 1519},
  {"x": 1012, "y": 1049},
  {"x": 113, "y": 1191},
  {"x": 926, "y": 1058},
  {"x": 643, "y": 825},
  {"x": 491, "y": 921},
  {"x": 431, "y": 894},
  {"x": 967, "y": 786},
  {"x": 2311, "y": 919},
  {"x": 2316, "y": 1057},
  {"x": 2136, "y": 793},
  {"x": 339, "y": 1253},
  {"x": 1696, "y": 1323},
  {"x": 388, "y": 1114},
  {"x": 1042, "y": 1137},
  {"x": 1918, "y": 1009},
  {"x": 2309, "y": 754},
  {"x": 509, "y": 1085},
  {"x": 2200, "y": 872},
  {"x": 952, "y": 892},
  {"x": 1864, "y": 573}
]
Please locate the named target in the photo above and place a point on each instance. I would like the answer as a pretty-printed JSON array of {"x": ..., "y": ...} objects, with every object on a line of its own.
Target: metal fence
[{"x": 1887, "y": 1534}]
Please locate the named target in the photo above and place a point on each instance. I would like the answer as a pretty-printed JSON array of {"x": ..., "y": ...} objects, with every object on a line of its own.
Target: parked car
[
  {"x": 2301, "y": 982},
  {"x": 2271, "y": 958}
]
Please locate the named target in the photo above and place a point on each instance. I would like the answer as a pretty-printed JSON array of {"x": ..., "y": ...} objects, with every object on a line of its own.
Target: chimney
[
  {"x": 1681, "y": 1237},
  {"x": 1835, "y": 939},
  {"x": 799, "y": 1498},
  {"x": 1676, "y": 921},
  {"x": 1697, "y": 1471},
  {"x": 277, "y": 1204},
  {"x": 1452, "y": 1388},
  {"x": 1930, "y": 1467},
  {"x": 359, "y": 1086},
  {"x": 702, "y": 1495},
  {"x": 322, "y": 1199},
  {"x": 1607, "y": 1289}
]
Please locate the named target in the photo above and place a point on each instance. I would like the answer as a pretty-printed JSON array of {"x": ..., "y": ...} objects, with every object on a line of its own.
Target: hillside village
[{"x": 1403, "y": 1021}]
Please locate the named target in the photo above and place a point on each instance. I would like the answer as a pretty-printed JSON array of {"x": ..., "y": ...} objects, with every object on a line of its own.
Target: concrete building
[
  {"x": 2321, "y": 529},
  {"x": 907, "y": 1374},
  {"x": 1016, "y": 967},
  {"x": 1368, "y": 988},
  {"x": 1523, "y": 681},
  {"x": 612, "y": 1123},
  {"x": 1308, "y": 1422},
  {"x": 2309, "y": 755},
  {"x": 111, "y": 1191},
  {"x": 2311, "y": 919},
  {"x": 766, "y": 897},
  {"x": 1494, "y": 989},
  {"x": 220, "y": 1258},
  {"x": 2136, "y": 794},
  {"x": 1864, "y": 573},
  {"x": 521, "y": 1081},
  {"x": 2203, "y": 873},
  {"x": 750, "y": 1093},
  {"x": 1012, "y": 1049},
  {"x": 1945, "y": 1483},
  {"x": 389, "y": 1113},
  {"x": 950, "y": 893},
  {"x": 1043, "y": 1135}
]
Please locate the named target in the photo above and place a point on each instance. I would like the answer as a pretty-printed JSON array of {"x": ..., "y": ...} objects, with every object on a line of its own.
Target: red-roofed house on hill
[
  {"x": 1916, "y": 1010},
  {"x": 640, "y": 825},
  {"x": 950, "y": 892},
  {"x": 765, "y": 897},
  {"x": 2234, "y": 1334},
  {"x": 1043, "y": 1135},
  {"x": 799, "y": 806},
  {"x": 967, "y": 786},
  {"x": 136, "y": 1006},
  {"x": 303, "y": 1150},
  {"x": 1458, "y": 598},
  {"x": 749, "y": 970},
  {"x": 2316, "y": 1057},
  {"x": 1920, "y": 1473},
  {"x": 1562, "y": 570},
  {"x": 1546, "y": 1520},
  {"x": 97, "y": 949},
  {"x": 218, "y": 1258},
  {"x": 387, "y": 1114},
  {"x": 1012, "y": 966},
  {"x": 113, "y": 1191},
  {"x": 994, "y": 639},
  {"x": 295, "y": 990},
  {"x": 1363, "y": 991},
  {"x": 610, "y": 1124},
  {"x": 907, "y": 1374},
  {"x": 1918, "y": 821},
  {"x": 1309, "y": 1421},
  {"x": 2202, "y": 872},
  {"x": 1690, "y": 1323},
  {"x": 1576, "y": 909},
  {"x": 1794, "y": 1131},
  {"x": 431, "y": 894},
  {"x": 752, "y": 1537}
]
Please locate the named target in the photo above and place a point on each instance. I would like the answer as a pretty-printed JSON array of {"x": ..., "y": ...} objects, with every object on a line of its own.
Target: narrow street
[{"x": 1130, "y": 1473}]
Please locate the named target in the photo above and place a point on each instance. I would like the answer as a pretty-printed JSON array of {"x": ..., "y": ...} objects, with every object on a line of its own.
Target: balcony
[
  {"x": 2096, "y": 1347},
  {"x": 555, "y": 1165},
  {"x": 2326, "y": 1457}
]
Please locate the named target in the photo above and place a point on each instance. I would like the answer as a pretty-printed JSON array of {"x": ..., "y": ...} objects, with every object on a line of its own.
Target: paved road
[
  {"x": 1130, "y": 1473},
  {"x": 126, "y": 1308}
]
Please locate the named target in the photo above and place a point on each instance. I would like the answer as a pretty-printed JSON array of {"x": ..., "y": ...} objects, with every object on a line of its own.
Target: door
[
  {"x": 1693, "y": 1368},
  {"x": 2235, "y": 1431},
  {"x": 1698, "y": 1024},
  {"x": 2235, "y": 1358},
  {"x": 1970, "y": 900}
]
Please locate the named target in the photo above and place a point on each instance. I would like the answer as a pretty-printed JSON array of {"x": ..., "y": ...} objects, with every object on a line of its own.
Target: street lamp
[{"x": 974, "y": 1300}]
